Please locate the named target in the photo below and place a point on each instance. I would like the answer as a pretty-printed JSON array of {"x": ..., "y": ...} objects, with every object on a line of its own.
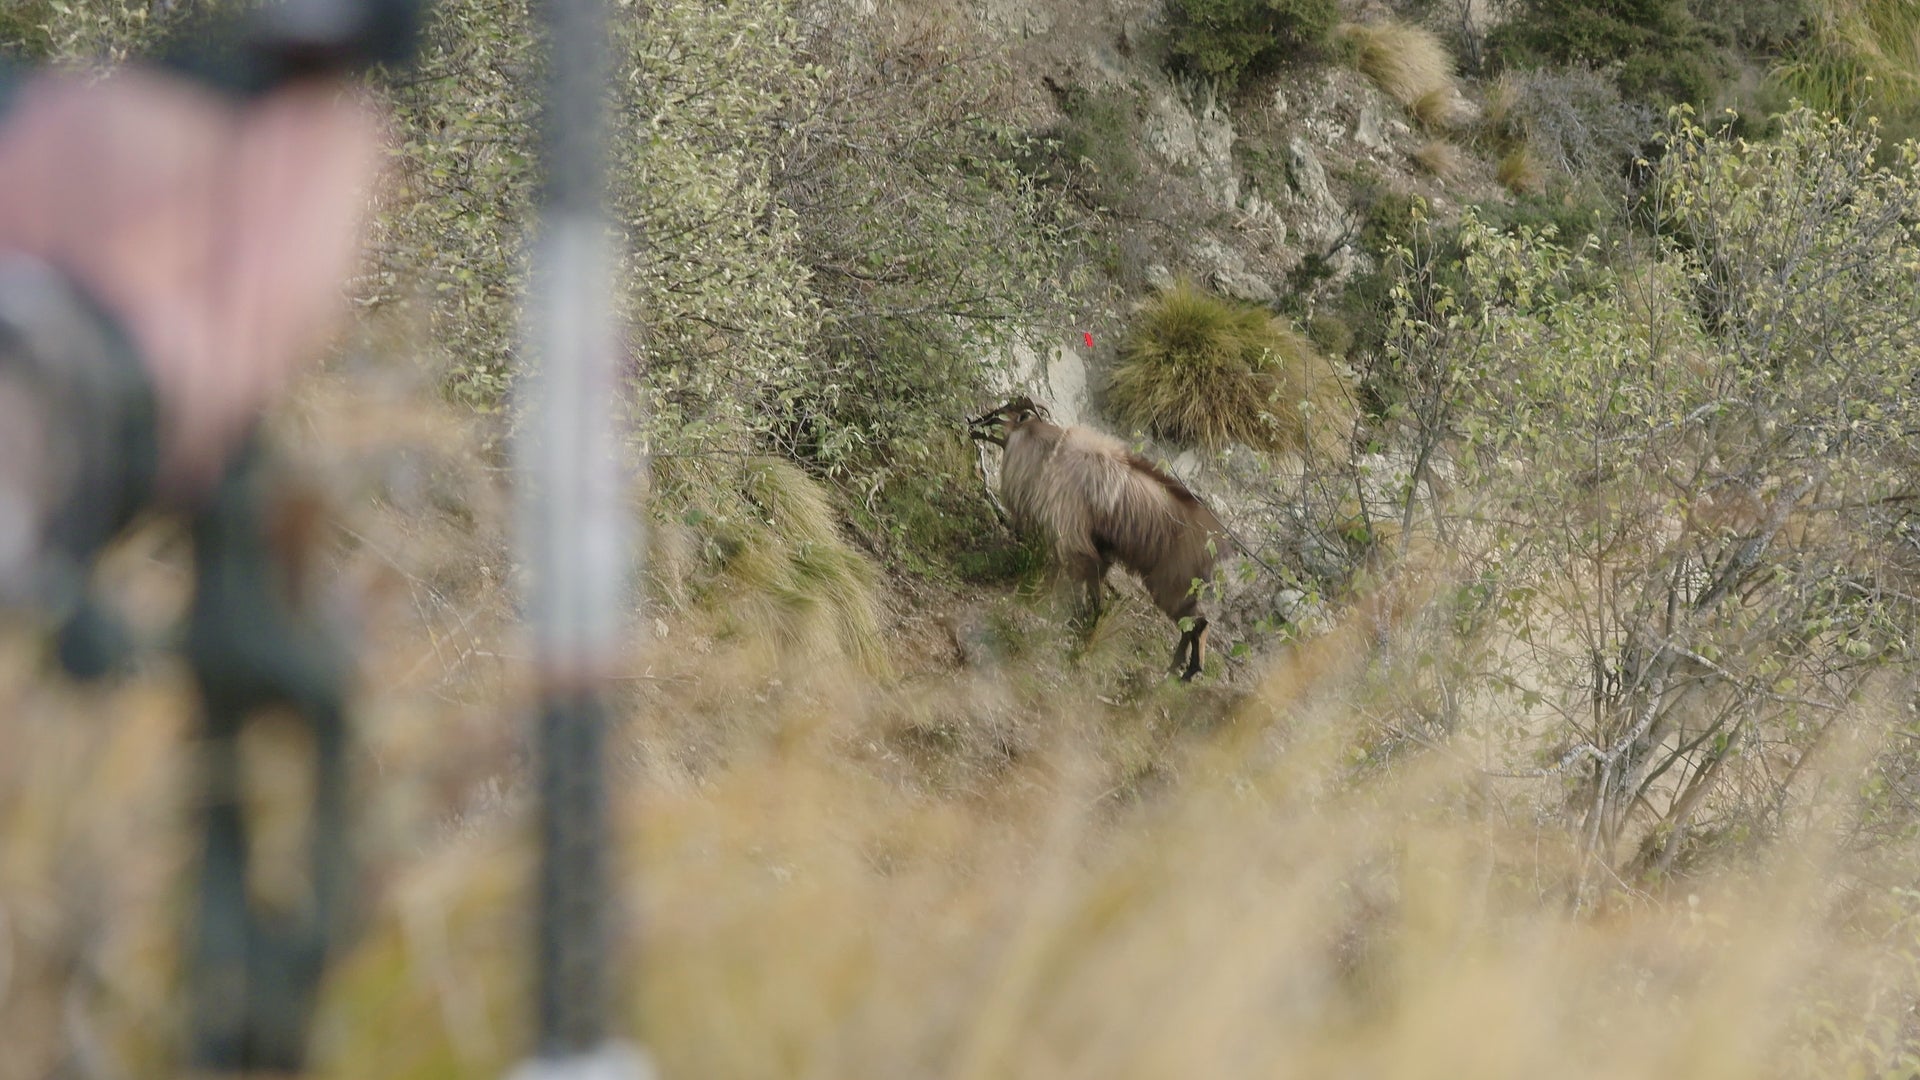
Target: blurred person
[{"x": 174, "y": 238}]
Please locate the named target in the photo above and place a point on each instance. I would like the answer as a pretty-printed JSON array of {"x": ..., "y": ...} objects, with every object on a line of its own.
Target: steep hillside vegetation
[{"x": 1562, "y": 419}]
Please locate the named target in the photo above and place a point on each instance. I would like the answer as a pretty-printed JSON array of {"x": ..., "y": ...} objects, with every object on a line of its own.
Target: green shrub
[
  {"x": 1569, "y": 212},
  {"x": 23, "y": 29},
  {"x": 1659, "y": 52},
  {"x": 88, "y": 33},
  {"x": 1404, "y": 243},
  {"x": 1203, "y": 370},
  {"x": 927, "y": 240},
  {"x": 935, "y": 521},
  {"x": 1230, "y": 39},
  {"x": 1761, "y": 26}
]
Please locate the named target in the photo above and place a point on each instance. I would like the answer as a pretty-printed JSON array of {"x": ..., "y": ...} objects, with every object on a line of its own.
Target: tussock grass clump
[
  {"x": 1440, "y": 158},
  {"x": 773, "y": 562},
  {"x": 1441, "y": 108},
  {"x": 1409, "y": 63},
  {"x": 1862, "y": 55},
  {"x": 805, "y": 912},
  {"x": 1203, "y": 370},
  {"x": 1500, "y": 104},
  {"x": 1519, "y": 173}
]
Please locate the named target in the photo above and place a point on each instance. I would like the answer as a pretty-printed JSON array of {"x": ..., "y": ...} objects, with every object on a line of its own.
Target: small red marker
[{"x": 1088, "y": 334}]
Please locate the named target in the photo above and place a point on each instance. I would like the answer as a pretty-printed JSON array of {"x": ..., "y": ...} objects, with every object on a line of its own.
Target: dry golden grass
[
  {"x": 1048, "y": 868},
  {"x": 768, "y": 556},
  {"x": 1440, "y": 158},
  {"x": 1497, "y": 109},
  {"x": 1519, "y": 173},
  {"x": 1411, "y": 64},
  {"x": 1441, "y": 108}
]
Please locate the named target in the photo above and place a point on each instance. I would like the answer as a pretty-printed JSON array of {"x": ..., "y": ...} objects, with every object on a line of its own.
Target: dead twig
[{"x": 993, "y": 497}]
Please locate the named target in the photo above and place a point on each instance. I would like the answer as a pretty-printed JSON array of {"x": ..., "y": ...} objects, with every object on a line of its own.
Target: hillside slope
[{"x": 1565, "y": 721}]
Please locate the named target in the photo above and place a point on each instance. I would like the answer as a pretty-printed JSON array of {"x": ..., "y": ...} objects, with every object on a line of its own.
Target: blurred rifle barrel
[{"x": 572, "y": 530}]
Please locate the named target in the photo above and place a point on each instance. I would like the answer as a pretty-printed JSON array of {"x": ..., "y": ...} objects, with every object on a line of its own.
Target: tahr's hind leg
[
  {"x": 1191, "y": 651},
  {"x": 1089, "y": 576}
]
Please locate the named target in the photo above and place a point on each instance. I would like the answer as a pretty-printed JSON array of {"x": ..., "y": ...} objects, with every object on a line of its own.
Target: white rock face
[
  {"x": 1369, "y": 129},
  {"x": 1262, "y": 220},
  {"x": 1323, "y": 219},
  {"x": 1169, "y": 129},
  {"x": 1057, "y": 377},
  {"x": 1195, "y": 135},
  {"x": 1016, "y": 17},
  {"x": 1218, "y": 176},
  {"x": 1244, "y": 286},
  {"x": 1228, "y": 272},
  {"x": 1322, "y": 222},
  {"x": 1067, "y": 381}
]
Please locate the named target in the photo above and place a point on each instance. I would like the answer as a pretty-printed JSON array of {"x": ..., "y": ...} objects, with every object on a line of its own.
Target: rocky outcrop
[
  {"x": 1058, "y": 376},
  {"x": 1227, "y": 272},
  {"x": 1190, "y": 129},
  {"x": 1323, "y": 220}
]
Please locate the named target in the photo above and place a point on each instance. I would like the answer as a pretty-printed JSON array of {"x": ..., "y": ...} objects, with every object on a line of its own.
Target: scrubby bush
[
  {"x": 1204, "y": 370},
  {"x": 1570, "y": 213},
  {"x": 926, "y": 242},
  {"x": 1330, "y": 333},
  {"x": 1684, "y": 480},
  {"x": 90, "y": 33},
  {"x": 1094, "y": 152},
  {"x": 1572, "y": 119},
  {"x": 936, "y": 522},
  {"x": 1400, "y": 237},
  {"x": 1409, "y": 63},
  {"x": 835, "y": 240},
  {"x": 1761, "y": 26},
  {"x": 718, "y": 281},
  {"x": 23, "y": 33},
  {"x": 1230, "y": 39},
  {"x": 1658, "y": 51}
]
